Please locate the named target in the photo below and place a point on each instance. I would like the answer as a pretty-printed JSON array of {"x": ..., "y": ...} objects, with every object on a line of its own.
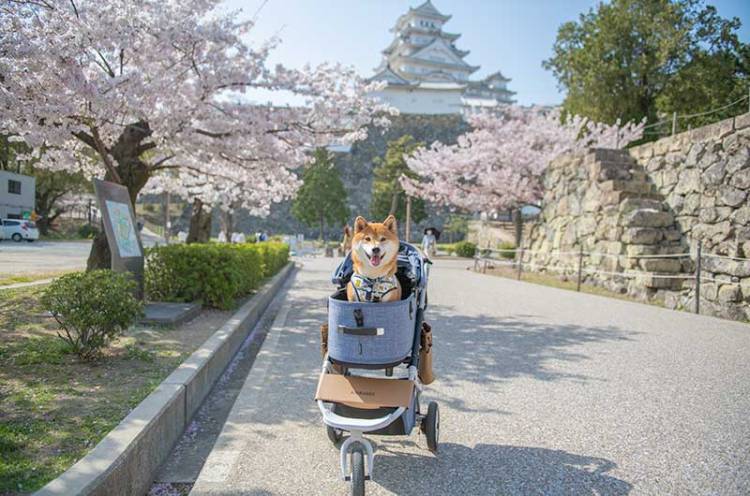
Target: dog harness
[{"x": 373, "y": 289}]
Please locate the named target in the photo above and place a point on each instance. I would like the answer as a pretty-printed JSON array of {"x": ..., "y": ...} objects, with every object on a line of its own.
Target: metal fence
[{"x": 484, "y": 258}]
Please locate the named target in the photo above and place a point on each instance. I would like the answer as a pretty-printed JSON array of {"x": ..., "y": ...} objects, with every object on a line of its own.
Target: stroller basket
[{"x": 371, "y": 335}]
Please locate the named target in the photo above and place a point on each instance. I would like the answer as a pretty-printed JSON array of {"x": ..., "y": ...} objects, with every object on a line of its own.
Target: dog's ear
[
  {"x": 390, "y": 223},
  {"x": 359, "y": 224}
]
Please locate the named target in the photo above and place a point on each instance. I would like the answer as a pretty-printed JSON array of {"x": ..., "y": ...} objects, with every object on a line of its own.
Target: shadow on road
[
  {"x": 495, "y": 469},
  {"x": 490, "y": 350}
]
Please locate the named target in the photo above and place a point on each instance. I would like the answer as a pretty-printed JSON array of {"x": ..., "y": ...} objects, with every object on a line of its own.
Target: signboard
[{"x": 125, "y": 244}]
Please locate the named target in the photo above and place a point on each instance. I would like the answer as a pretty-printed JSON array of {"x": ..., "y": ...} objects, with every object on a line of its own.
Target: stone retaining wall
[{"x": 660, "y": 198}]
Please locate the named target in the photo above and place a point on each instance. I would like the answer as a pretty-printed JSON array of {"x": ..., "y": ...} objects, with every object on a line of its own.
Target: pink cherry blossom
[{"x": 498, "y": 164}]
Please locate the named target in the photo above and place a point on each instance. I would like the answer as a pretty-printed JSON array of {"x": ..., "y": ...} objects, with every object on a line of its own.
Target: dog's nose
[{"x": 376, "y": 250}]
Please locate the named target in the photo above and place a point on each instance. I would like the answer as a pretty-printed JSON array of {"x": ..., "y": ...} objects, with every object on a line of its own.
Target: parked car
[{"x": 19, "y": 229}]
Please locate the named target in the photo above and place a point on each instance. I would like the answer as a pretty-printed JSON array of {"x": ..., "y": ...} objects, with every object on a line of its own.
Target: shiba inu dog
[{"x": 374, "y": 256}]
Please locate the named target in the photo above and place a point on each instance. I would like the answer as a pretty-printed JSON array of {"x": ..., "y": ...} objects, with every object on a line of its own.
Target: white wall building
[
  {"x": 426, "y": 73},
  {"x": 16, "y": 195}
]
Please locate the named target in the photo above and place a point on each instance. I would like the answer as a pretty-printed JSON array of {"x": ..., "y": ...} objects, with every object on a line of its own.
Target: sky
[{"x": 513, "y": 36}]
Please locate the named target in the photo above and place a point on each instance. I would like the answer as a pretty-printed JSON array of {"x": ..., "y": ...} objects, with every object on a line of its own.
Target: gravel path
[{"x": 542, "y": 391}]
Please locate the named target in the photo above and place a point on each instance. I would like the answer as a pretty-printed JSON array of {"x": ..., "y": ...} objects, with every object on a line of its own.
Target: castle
[{"x": 425, "y": 73}]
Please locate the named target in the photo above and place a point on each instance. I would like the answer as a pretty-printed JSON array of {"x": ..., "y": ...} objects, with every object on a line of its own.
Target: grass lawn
[
  {"x": 55, "y": 408},
  {"x": 7, "y": 280}
]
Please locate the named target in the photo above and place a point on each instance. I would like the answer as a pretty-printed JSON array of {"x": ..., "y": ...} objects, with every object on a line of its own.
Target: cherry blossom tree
[
  {"x": 498, "y": 165},
  {"x": 151, "y": 86}
]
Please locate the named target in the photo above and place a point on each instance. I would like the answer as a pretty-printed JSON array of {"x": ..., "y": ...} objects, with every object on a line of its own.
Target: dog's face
[{"x": 375, "y": 246}]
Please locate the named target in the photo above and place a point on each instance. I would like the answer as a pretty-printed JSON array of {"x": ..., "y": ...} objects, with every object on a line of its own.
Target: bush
[
  {"x": 92, "y": 308},
  {"x": 213, "y": 273},
  {"x": 87, "y": 231},
  {"x": 465, "y": 249},
  {"x": 511, "y": 253}
]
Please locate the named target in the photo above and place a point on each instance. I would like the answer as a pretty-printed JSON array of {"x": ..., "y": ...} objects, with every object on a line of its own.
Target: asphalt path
[
  {"x": 542, "y": 391},
  {"x": 42, "y": 256}
]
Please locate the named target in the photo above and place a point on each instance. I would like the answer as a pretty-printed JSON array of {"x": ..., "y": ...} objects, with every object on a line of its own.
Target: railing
[
  {"x": 653, "y": 128},
  {"x": 483, "y": 259}
]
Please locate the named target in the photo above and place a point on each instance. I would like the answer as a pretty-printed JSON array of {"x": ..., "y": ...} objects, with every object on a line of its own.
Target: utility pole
[{"x": 674, "y": 123}]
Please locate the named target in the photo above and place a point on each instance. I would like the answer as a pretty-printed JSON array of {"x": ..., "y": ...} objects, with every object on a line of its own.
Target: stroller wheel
[
  {"x": 334, "y": 435},
  {"x": 358, "y": 470},
  {"x": 431, "y": 426}
]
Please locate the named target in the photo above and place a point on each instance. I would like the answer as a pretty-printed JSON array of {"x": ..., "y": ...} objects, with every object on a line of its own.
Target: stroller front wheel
[{"x": 358, "y": 470}]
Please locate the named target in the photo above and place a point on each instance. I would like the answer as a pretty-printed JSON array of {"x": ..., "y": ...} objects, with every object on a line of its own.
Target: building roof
[
  {"x": 429, "y": 10},
  {"x": 498, "y": 76},
  {"x": 458, "y": 60},
  {"x": 389, "y": 75}
]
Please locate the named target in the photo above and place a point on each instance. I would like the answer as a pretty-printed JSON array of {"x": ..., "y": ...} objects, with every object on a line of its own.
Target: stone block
[
  {"x": 672, "y": 265},
  {"x": 653, "y": 281},
  {"x": 742, "y": 215},
  {"x": 642, "y": 152},
  {"x": 662, "y": 146},
  {"x": 742, "y": 121},
  {"x": 739, "y": 160},
  {"x": 692, "y": 204},
  {"x": 714, "y": 175},
  {"x": 672, "y": 234},
  {"x": 735, "y": 268},
  {"x": 729, "y": 293},
  {"x": 634, "y": 203},
  {"x": 741, "y": 179},
  {"x": 644, "y": 217},
  {"x": 642, "y": 235},
  {"x": 689, "y": 181},
  {"x": 685, "y": 223},
  {"x": 745, "y": 288},
  {"x": 671, "y": 300},
  {"x": 695, "y": 154},
  {"x": 732, "y": 196},
  {"x": 709, "y": 158},
  {"x": 709, "y": 291},
  {"x": 655, "y": 163}
]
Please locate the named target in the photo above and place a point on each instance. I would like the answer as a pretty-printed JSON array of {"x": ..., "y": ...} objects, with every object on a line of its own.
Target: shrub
[
  {"x": 511, "y": 253},
  {"x": 213, "y": 273},
  {"x": 87, "y": 231},
  {"x": 465, "y": 249},
  {"x": 92, "y": 308},
  {"x": 449, "y": 248}
]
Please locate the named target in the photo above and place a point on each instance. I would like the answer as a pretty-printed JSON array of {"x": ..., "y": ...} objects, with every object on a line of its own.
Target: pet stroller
[{"x": 374, "y": 348}]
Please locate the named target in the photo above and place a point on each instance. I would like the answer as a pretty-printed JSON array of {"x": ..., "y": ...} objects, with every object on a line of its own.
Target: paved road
[
  {"x": 542, "y": 391},
  {"x": 42, "y": 256},
  {"x": 49, "y": 256}
]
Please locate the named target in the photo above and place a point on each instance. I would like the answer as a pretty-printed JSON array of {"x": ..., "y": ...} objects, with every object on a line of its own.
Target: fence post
[
  {"x": 698, "y": 280},
  {"x": 674, "y": 123},
  {"x": 520, "y": 264},
  {"x": 580, "y": 268}
]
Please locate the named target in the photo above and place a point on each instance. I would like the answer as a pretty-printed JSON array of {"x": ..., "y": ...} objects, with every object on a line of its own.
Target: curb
[{"x": 126, "y": 460}]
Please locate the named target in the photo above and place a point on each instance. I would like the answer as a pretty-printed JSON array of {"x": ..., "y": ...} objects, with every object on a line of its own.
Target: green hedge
[
  {"x": 215, "y": 274},
  {"x": 465, "y": 249}
]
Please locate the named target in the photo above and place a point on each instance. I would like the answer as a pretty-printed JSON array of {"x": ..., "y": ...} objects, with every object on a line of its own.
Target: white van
[{"x": 19, "y": 229}]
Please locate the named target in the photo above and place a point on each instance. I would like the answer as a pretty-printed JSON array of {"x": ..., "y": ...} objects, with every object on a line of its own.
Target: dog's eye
[
  {"x": 368, "y": 238},
  {"x": 382, "y": 239}
]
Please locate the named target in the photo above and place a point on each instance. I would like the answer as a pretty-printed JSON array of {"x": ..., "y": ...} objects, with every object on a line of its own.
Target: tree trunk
[
  {"x": 394, "y": 203},
  {"x": 227, "y": 223},
  {"x": 322, "y": 223},
  {"x": 133, "y": 172},
  {"x": 200, "y": 223}
]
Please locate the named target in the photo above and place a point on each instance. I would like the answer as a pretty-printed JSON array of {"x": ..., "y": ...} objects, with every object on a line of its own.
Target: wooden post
[
  {"x": 408, "y": 219},
  {"x": 674, "y": 123},
  {"x": 580, "y": 268},
  {"x": 519, "y": 251},
  {"x": 698, "y": 280}
]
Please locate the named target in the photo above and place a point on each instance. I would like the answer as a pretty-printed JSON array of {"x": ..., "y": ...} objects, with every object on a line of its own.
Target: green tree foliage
[
  {"x": 630, "y": 59},
  {"x": 387, "y": 194},
  {"x": 322, "y": 197},
  {"x": 457, "y": 227},
  {"x": 51, "y": 186}
]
